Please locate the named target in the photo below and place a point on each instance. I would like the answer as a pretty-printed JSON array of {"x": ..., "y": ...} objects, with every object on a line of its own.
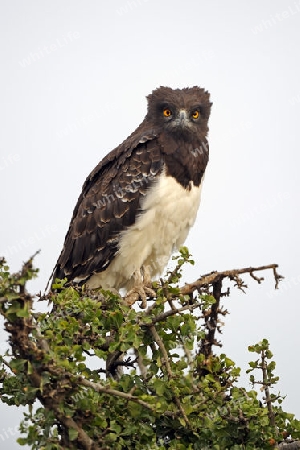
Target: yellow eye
[
  {"x": 195, "y": 114},
  {"x": 167, "y": 112}
]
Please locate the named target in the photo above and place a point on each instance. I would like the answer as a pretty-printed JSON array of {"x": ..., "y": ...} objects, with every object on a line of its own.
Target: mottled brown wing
[{"x": 109, "y": 203}]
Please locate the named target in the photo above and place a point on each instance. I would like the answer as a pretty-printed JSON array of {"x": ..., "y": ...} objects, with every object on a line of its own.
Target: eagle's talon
[
  {"x": 151, "y": 293},
  {"x": 139, "y": 293}
]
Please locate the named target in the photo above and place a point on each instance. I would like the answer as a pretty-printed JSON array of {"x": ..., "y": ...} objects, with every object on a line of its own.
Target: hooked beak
[
  {"x": 182, "y": 115},
  {"x": 183, "y": 119}
]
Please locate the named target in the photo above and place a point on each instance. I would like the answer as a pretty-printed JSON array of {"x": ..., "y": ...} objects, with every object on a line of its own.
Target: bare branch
[
  {"x": 107, "y": 390},
  {"x": 141, "y": 365},
  {"x": 211, "y": 322},
  {"x": 162, "y": 349},
  {"x": 212, "y": 277},
  {"x": 258, "y": 279},
  {"x": 169, "y": 370},
  {"x": 277, "y": 276},
  {"x": 86, "y": 442}
]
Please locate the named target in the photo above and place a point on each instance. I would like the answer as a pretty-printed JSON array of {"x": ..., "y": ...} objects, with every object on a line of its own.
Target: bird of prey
[{"x": 139, "y": 203}]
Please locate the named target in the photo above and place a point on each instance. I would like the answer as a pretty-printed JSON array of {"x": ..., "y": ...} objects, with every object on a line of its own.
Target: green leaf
[
  {"x": 73, "y": 434},
  {"x": 22, "y": 313},
  {"x": 22, "y": 441},
  {"x": 159, "y": 386},
  {"x": 117, "y": 318}
]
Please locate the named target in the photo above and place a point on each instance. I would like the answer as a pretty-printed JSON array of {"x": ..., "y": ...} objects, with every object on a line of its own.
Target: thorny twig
[
  {"x": 215, "y": 280},
  {"x": 210, "y": 278}
]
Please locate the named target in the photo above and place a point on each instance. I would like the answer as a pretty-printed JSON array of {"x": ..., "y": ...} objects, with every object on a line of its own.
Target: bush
[{"x": 97, "y": 373}]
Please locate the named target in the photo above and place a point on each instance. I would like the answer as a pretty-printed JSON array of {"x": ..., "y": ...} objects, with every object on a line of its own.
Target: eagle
[{"x": 139, "y": 203}]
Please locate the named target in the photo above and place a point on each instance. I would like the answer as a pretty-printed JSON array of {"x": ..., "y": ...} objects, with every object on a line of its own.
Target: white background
[{"x": 74, "y": 76}]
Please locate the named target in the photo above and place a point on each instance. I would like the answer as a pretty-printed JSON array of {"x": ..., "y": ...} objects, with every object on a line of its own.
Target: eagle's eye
[
  {"x": 195, "y": 114},
  {"x": 167, "y": 112}
]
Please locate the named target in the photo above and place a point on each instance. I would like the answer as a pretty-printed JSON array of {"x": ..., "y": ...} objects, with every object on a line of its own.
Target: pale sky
[{"x": 75, "y": 75}]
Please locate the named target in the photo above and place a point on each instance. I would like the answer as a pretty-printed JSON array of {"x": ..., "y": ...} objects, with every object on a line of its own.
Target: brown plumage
[{"x": 170, "y": 143}]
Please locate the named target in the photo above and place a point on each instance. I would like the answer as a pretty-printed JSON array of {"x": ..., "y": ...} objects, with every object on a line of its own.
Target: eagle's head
[{"x": 180, "y": 111}]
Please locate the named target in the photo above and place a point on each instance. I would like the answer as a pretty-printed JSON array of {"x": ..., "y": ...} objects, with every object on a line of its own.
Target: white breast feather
[{"x": 169, "y": 213}]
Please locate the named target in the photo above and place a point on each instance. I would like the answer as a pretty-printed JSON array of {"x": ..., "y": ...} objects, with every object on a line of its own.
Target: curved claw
[
  {"x": 139, "y": 293},
  {"x": 142, "y": 288}
]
